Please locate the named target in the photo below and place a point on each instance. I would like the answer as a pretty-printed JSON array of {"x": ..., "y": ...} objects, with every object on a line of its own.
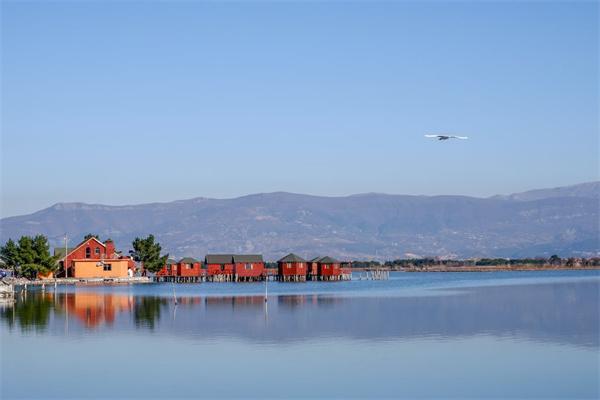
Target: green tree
[
  {"x": 9, "y": 253},
  {"x": 147, "y": 252},
  {"x": 89, "y": 236},
  {"x": 29, "y": 256}
]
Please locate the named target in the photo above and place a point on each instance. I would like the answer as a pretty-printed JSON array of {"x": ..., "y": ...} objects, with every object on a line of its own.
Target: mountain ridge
[
  {"x": 593, "y": 192},
  {"x": 362, "y": 226}
]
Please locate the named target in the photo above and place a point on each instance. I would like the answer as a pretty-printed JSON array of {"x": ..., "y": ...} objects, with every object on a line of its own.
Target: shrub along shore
[
  {"x": 553, "y": 262},
  {"x": 478, "y": 268}
]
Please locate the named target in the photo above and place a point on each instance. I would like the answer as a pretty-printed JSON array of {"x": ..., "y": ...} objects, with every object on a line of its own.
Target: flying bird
[{"x": 446, "y": 137}]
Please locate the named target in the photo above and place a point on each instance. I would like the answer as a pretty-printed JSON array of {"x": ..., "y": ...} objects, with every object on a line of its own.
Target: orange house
[
  {"x": 108, "y": 268},
  {"x": 94, "y": 259}
]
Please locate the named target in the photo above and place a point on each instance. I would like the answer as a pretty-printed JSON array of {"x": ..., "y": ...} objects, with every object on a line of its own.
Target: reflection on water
[
  {"x": 146, "y": 311},
  {"x": 30, "y": 313},
  {"x": 523, "y": 340},
  {"x": 561, "y": 313}
]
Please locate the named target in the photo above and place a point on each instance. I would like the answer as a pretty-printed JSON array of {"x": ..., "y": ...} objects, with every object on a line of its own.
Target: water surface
[{"x": 428, "y": 335}]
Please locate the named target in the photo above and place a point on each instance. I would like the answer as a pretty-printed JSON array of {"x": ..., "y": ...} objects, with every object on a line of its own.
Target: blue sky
[{"x": 131, "y": 102}]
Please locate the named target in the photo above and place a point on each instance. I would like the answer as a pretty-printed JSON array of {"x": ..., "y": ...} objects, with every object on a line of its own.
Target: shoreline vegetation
[
  {"x": 474, "y": 268},
  {"x": 553, "y": 262}
]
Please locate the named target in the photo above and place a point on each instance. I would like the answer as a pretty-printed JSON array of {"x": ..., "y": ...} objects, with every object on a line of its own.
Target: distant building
[
  {"x": 292, "y": 268},
  {"x": 188, "y": 267},
  {"x": 219, "y": 267},
  {"x": 312, "y": 269},
  {"x": 234, "y": 267},
  {"x": 248, "y": 267},
  {"x": 170, "y": 268},
  {"x": 93, "y": 259},
  {"x": 328, "y": 269}
]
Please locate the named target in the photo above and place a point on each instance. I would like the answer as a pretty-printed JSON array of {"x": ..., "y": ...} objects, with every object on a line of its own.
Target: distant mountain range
[{"x": 562, "y": 221}]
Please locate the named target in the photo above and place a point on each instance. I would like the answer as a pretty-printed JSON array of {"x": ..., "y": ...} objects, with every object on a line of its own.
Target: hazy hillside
[
  {"x": 541, "y": 222},
  {"x": 589, "y": 190}
]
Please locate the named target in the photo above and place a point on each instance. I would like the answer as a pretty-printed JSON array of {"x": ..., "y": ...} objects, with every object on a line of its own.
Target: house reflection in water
[
  {"x": 233, "y": 302},
  {"x": 95, "y": 309},
  {"x": 297, "y": 301},
  {"x": 34, "y": 311}
]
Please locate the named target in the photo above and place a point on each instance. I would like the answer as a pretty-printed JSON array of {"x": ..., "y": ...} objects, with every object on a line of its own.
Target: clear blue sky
[{"x": 131, "y": 102}]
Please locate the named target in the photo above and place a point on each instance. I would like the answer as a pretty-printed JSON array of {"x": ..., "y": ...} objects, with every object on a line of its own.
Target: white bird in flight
[{"x": 446, "y": 137}]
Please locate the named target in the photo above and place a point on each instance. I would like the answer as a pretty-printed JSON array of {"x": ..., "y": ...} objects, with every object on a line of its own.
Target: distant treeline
[{"x": 424, "y": 262}]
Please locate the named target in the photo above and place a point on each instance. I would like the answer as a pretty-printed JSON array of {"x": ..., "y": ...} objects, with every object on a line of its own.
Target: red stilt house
[
  {"x": 248, "y": 267},
  {"x": 292, "y": 268},
  {"x": 170, "y": 269},
  {"x": 188, "y": 267},
  {"x": 219, "y": 267},
  {"x": 312, "y": 269},
  {"x": 329, "y": 269},
  {"x": 234, "y": 267}
]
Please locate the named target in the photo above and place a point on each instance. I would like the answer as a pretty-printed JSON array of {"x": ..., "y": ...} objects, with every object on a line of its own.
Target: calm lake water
[{"x": 427, "y": 335}]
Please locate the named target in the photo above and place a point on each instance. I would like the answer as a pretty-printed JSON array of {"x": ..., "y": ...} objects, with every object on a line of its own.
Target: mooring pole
[
  {"x": 65, "y": 259},
  {"x": 266, "y": 285},
  {"x": 174, "y": 295}
]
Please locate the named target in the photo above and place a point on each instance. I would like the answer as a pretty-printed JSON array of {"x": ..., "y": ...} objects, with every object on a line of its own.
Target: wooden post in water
[
  {"x": 266, "y": 287},
  {"x": 174, "y": 295}
]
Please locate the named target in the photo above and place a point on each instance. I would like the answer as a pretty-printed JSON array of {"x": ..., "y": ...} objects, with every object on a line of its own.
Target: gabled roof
[
  {"x": 233, "y": 258},
  {"x": 72, "y": 249},
  {"x": 247, "y": 258},
  {"x": 170, "y": 261},
  {"x": 188, "y": 260},
  {"x": 219, "y": 258},
  {"x": 292, "y": 258},
  {"x": 87, "y": 240},
  {"x": 328, "y": 260},
  {"x": 316, "y": 259}
]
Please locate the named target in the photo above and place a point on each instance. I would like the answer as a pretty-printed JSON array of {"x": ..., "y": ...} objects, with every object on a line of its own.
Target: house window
[
  {"x": 248, "y": 266},
  {"x": 88, "y": 252},
  {"x": 107, "y": 267},
  {"x": 189, "y": 266},
  {"x": 97, "y": 251},
  {"x": 289, "y": 265}
]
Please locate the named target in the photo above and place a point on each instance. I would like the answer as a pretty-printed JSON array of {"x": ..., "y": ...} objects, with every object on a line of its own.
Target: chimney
[{"x": 110, "y": 248}]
